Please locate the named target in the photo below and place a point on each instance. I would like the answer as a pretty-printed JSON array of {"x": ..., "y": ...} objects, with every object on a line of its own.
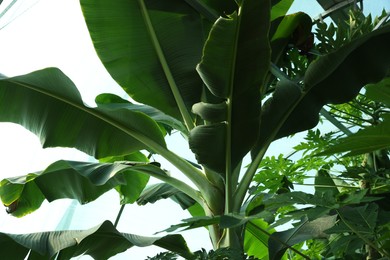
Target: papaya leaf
[
  {"x": 100, "y": 242},
  {"x": 235, "y": 61},
  {"x": 366, "y": 140},
  {"x": 133, "y": 39},
  {"x": 47, "y": 103},
  {"x": 279, "y": 241},
  {"x": 76, "y": 180},
  {"x": 360, "y": 220}
]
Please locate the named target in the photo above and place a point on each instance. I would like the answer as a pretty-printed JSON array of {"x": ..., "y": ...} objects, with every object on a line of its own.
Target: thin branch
[
  {"x": 335, "y": 122},
  {"x": 333, "y": 9},
  {"x": 326, "y": 186}
]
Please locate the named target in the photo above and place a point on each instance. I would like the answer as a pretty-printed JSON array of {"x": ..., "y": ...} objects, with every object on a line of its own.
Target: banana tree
[{"x": 204, "y": 68}]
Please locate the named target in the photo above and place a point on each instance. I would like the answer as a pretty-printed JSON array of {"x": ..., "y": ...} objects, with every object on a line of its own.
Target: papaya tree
[{"x": 211, "y": 70}]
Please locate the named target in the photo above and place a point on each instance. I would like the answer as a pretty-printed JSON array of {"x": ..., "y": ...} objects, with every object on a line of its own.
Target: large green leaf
[
  {"x": 334, "y": 78},
  {"x": 100, "y": 242},
  {"x": 280, "y": 241},
  {"x": 150, "y": 48},
  {"x": 47, "y": 103},
  {"x": 159, "y": 191},
  {"x": 293, "y": 28},
  {"x": 235, "y": 61},
  {"x": 76, "y": 180},
  {"x": 366, "y": 140},
  {"x": 359, "y": 220},
  {"x": 113, "y": 103}
]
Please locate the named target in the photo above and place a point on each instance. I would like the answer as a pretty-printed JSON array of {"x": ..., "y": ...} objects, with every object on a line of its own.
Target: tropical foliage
[{"x": 231, "y": 77}]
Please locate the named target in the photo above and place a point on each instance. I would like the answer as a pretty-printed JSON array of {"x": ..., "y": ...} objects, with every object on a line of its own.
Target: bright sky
[{"x": 52, "y": 33}]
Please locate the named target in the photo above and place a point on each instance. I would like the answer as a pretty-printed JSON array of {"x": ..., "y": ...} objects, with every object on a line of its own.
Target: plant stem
[
  {"x": 119, "y": 215},
  {"x": 164, "y": 64}
]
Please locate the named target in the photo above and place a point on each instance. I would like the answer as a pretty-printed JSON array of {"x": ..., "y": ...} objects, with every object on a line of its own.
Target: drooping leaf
[
  {"x": 293, "y": 28},
  {"x": 366, "y": 140},
  {"x": 275, "y": 112},
  {"x": 113, "y": 102},
  {"x": 134, "y": 40},
  {"x": 380, "y": 91},
  {"x": 21, "y": 197},
  {"x": 100, "y": 242},
  {"x": 280, "y": 8},
  {"x": 334, "y": 78},
  {"x": 47, "y": 103},
  {"x": 192, "y": 223},
  {"x": 159, "y": 191},
  {"x": 76, "y": 180},
  {"x": 234, "y": 64},
  {"x": 278, "y": 241}
]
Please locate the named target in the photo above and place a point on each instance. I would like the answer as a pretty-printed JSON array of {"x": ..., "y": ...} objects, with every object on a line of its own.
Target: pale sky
[{"x": 52, "y": 33}]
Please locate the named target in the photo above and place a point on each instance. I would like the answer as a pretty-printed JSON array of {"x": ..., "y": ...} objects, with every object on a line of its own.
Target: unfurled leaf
[
  {"x": 365, "y": 60},
  {"x": 150, "y": 48},
  {"x": 47, "y": 103},
  {"x": 195, "y": 222},
  {"x": 159, "y": 191},
  {"x": 113, "y": 103},
  {"x": 100, "y": 242},
  {"x": 76, "y": 180},
  {"x": 279, "y": 241}
]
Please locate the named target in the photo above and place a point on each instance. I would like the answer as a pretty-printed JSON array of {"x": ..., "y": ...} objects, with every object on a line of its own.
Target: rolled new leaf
[{"x": 234, "y": 64}]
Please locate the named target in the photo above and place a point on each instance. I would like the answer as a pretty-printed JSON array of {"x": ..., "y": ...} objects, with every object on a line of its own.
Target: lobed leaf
[{"x": 279, "y": 241}]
